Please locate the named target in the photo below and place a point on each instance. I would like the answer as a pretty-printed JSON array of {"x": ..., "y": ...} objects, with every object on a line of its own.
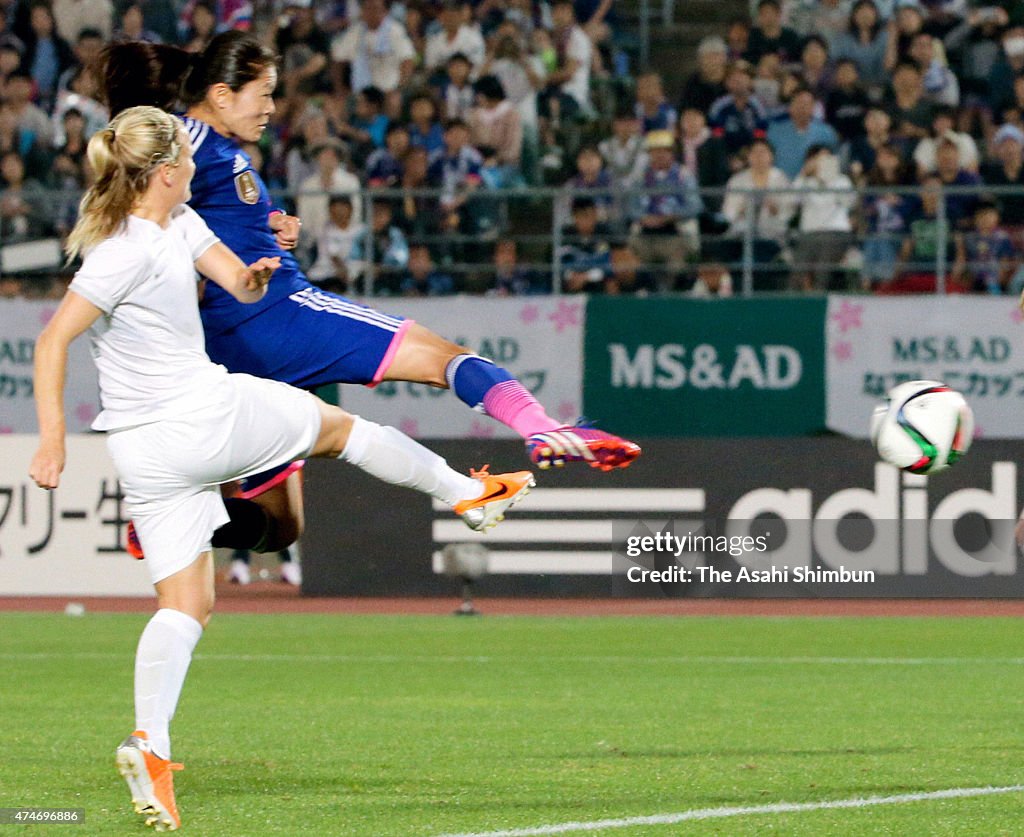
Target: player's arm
[
  {"x": 74, "y": 316},
  {"x": 244, "y": 283}
]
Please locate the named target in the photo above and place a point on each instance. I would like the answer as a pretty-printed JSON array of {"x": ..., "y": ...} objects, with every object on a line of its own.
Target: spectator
[
  {"x": 704, "y": 156},
  {"x": 573, "y": 48},
  {"x": 11, "y": 52},
  {"x": 510, "y": 278},
  {"x": 1007, "y": 170},
  {"x": 943, "y": 126},
  {"x": 769, "y": 35},
  {"x": 652, "y": 108},
  {"x": 47, "y": 54},
  {"x": 334, "y": 245},
  {"x": 585, "y": 255},
  {"x": 82, "y": 96},
  {"x": 23, "y": 142},
  {"x": 907, "y": 22},
  {"x": 713, "y": 280},
  {"x": 303, "y": 47},
  {"x": 591, "y": 180},
  {"x": 737, "y": 39},
  {"x": 976, "y": 43},
  {"x": 1007, "y": 68},
  {"x": 815, "y": 72},
  {"x": 940, "y": 85},
  {"x": 884, "y": 214},
  {"x": 792, "y": 137},
  {"x": 877, "y": 133},
  {"x": 629, "y": 274},
  {"x": 985, "y": 257},
  {"x": 424, "y": 129},
  {"x": 847, "y": 103},
  {"x": 68, "y": 167},
  {"x": 133, "y": 26},
  {"x": 74, "y": 16},
  {"x": 422, "y": 277},
  {"x": 86, "y": 52},
  {"x": 32, "y": 120},
  {"x": 385, "y": 166},
  {"x": 299, "y": 162},
  {"x": 495, "y": 123},
  {"x": 864, "y": 42},
  {"x": 825, "y": 18},
  {"x": 757, "y": 209},
  {"x": 331, "y": 179},
  {"x": 768, "y": 78},
  {"x": 415, "y": 27},
  {"x": 201, "y": 22},
  {"x": 664, "y": 233},
  {"x": 455, "y": 35},
  {"x": 738, "y": 117},
  {"x": 959, "y": 207},
  {"x": 911, "y": 111},
  {"x": 915, "y": 268},
  {"x": 456, "y": 90},
  {"x": 380, "y": 256},
  {"x": 417, "y": 214},
  {"x": 706, "y": 84},
  {"x": 456, "y": 171},
  {"x": 161, "y": 17},
  {"x": 376, "y": 50},
  {"x": 623, "y": 152},
  {"x": 24, "y": 214},
  {"x": 825, "y": 226},
  {"x": 368, "y": 125}
]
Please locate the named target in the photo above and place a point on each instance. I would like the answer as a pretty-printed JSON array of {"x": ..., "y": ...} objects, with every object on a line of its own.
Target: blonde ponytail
[{"x": 122, "y": 156}]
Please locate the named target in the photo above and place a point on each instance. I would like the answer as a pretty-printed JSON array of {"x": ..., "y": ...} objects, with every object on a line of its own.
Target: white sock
[
  {"x": 161, "y": 663},
  {"x": 393, "y": 457}
]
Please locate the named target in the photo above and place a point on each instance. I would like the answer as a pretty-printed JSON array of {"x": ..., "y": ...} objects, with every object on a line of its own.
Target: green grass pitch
[{"x": 422, "y": 726}]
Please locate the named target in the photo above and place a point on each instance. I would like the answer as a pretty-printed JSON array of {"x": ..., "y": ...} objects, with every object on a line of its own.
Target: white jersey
[{"x": 148, "y": 345}]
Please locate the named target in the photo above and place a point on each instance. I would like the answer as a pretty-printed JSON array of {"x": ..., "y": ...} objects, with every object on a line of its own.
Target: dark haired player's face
[{"x": 249, "y": 110}]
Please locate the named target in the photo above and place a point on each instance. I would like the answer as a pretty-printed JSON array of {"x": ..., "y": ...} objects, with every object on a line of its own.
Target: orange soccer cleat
[
  {"x": 501, "y": 492},
  {"x": 150, "y": 781}
]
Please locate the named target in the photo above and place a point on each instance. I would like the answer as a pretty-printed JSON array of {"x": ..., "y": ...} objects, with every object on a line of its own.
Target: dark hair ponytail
[
  {"x": 232, "y": 58},
  {"x": 139, "y": 73}
]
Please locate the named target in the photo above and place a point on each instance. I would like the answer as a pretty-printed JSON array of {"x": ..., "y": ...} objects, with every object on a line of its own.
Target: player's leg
[
  {"x": 384, "y": 452},
  {"x": 162, "y": 661},
  {"x": 425, "y": 357}
]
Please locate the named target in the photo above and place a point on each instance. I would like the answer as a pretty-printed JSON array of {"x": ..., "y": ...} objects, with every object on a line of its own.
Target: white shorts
[{"x": 171, "y": 469}]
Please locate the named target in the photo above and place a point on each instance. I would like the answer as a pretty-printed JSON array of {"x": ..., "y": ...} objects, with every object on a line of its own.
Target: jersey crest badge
[
  {"x": 246, "y": 187},
  {"x": 239, "y": 164}
]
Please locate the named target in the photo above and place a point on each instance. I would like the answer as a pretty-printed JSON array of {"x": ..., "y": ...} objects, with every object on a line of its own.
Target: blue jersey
[{"x": 232, "y": 199}]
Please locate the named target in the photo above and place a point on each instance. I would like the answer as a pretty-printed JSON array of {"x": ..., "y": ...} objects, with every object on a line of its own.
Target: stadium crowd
[{"x": 835, "y": 144}]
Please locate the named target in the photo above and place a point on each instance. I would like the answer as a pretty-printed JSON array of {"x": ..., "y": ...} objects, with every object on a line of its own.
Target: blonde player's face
[
  {"x": 181, "y": 174},
  {"x": 250, "y": 108}
]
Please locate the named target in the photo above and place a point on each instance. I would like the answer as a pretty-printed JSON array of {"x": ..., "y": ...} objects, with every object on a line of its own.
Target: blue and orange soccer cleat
[
  {"x": 150, "y": 781},
  {"x": 578, "y": 443},
  {"x": 132, "y": 544}
]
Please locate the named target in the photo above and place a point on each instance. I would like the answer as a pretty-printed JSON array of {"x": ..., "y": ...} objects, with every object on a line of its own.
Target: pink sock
[{"x": 512, "y": 404}]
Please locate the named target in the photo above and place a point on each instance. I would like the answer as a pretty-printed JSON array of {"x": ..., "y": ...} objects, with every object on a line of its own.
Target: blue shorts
[{"x": 309, "y": 339}]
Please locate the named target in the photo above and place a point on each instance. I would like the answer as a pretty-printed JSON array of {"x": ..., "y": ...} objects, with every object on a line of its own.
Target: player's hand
[
  {"x": 286, "y": 230},
  {"x": 257, "y": 275},
  {"x": 47, "y": 465}
]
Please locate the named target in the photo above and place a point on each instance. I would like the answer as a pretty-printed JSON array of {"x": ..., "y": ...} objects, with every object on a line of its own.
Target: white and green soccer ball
[{"x": 923, "y": 427}]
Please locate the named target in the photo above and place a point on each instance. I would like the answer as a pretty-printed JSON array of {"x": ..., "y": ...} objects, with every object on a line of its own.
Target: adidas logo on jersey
[{"x": 239, "y": 164}]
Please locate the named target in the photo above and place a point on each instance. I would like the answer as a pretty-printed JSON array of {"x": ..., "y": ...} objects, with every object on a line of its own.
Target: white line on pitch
[
  {"x": 743, "y": 811},
  {"x": 565, "y": 659}
]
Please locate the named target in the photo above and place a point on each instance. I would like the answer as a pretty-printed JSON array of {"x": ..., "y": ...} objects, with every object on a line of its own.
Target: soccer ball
[{"x": 923, "y": 427}]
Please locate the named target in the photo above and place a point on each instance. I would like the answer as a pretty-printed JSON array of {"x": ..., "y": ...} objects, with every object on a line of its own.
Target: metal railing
[{"x": 761, "y": 251}]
